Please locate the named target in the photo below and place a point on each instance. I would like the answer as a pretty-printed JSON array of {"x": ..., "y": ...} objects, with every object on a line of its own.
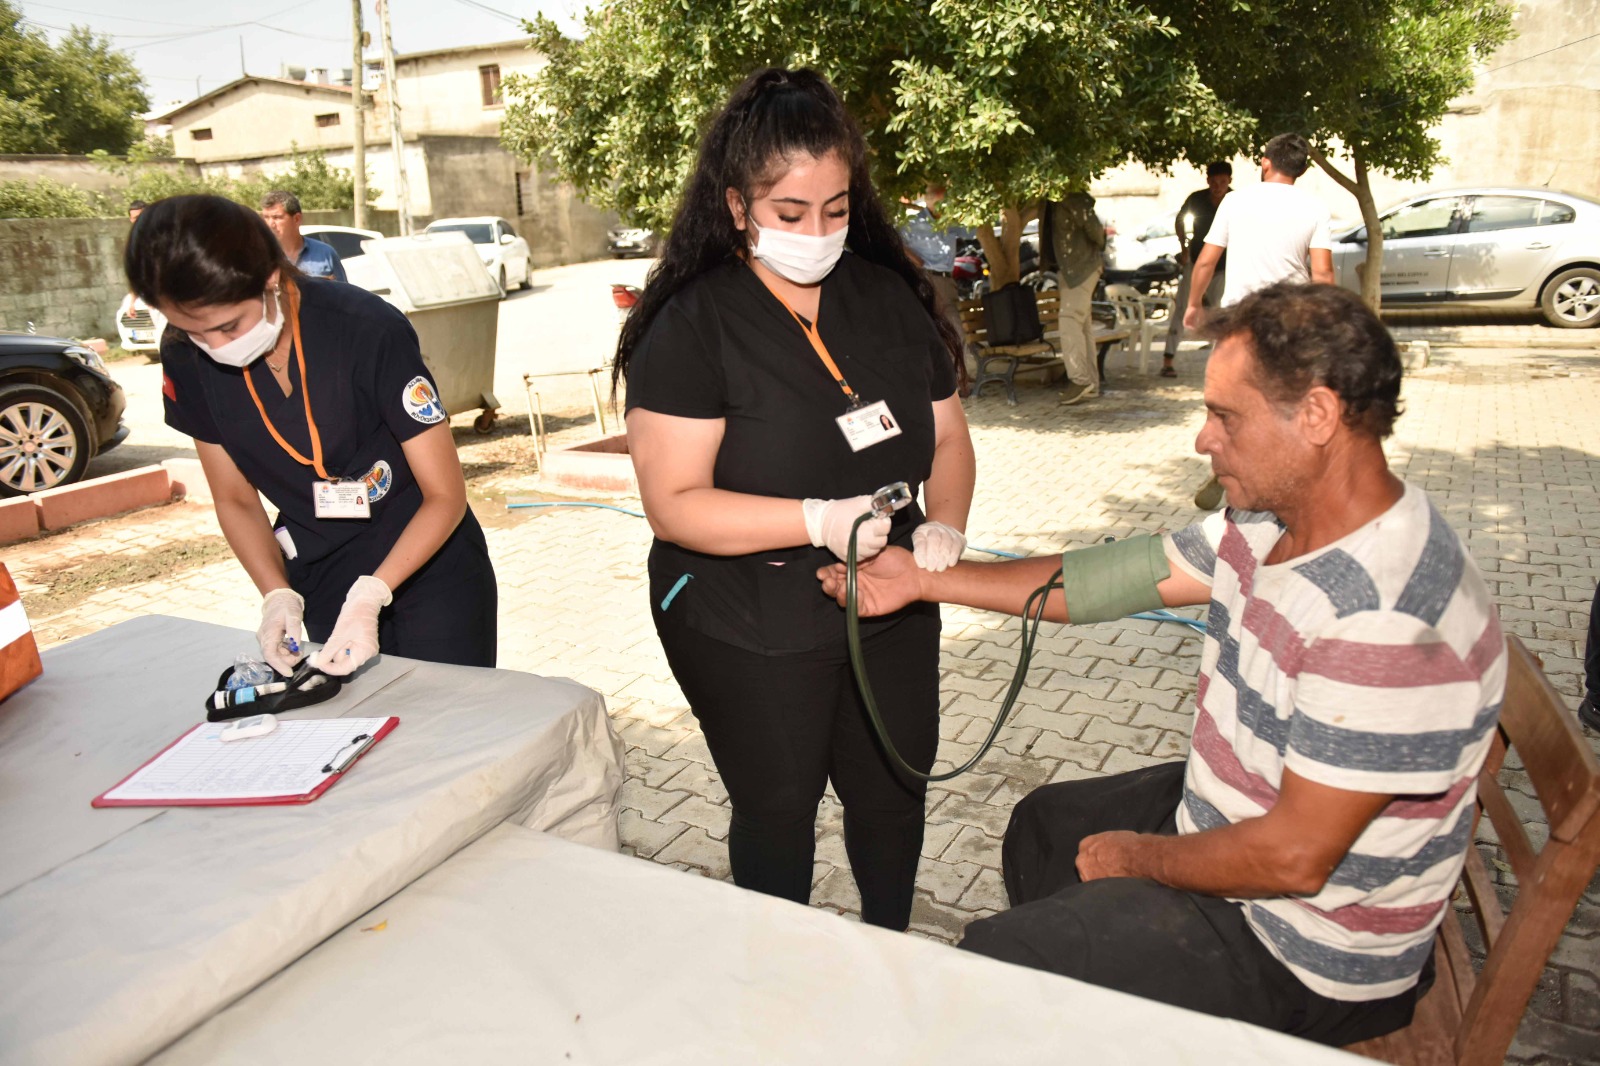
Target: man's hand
[
  {"x": 1114, "y": 854},
  {"x": 884, "y": 583},
  {"x": 1193, "y": 317}
]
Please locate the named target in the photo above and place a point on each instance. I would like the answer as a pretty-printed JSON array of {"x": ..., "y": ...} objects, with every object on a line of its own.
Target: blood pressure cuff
[
  {"x": 1113, "y": 580},
  {"x": 307, "y": 686}
]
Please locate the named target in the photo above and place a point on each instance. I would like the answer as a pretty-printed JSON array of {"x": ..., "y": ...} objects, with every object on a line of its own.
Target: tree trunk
[
  {"x": 1004, "y": 253},
  {"x": 1371, "y": 270}
]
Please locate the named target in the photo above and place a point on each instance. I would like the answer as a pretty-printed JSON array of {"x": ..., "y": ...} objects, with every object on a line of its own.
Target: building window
[
  {"x": 328, "y": 120},
  {"x": 200, "y": 135},
  {"x": 489, "y": 80}
]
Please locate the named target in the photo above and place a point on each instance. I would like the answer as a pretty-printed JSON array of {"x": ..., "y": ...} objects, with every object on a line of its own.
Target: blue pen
[{"x": 292, "y": 645}]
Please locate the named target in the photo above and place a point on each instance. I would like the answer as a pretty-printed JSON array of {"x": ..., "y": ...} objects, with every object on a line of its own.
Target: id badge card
[
  {"x": 340, "y": 499},
  {"x": 867, "y": 425}
]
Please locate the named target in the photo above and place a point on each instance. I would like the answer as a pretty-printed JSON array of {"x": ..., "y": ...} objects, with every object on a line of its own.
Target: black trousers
[
  {"x": 1141, "y": 937},
  {"x": 1591, "y": 650},
  {"x": 446, "y": 612},
  {"x": 781, "y": 726}
]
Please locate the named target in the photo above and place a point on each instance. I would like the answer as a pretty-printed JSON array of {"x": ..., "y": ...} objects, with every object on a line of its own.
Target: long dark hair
[
  {"x": 198, "y": 251},
  {"x": 774, "y": 115}
]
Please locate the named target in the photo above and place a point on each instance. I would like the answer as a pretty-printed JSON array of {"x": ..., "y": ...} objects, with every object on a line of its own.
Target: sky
[{"x": 176, "y": 42}]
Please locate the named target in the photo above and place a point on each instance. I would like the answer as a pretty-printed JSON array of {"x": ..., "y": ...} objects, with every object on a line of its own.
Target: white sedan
[{"x": 506, "y": 255}]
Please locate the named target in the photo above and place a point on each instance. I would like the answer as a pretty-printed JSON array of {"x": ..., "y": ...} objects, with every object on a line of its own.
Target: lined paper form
[{"x": 286, "y": 763}]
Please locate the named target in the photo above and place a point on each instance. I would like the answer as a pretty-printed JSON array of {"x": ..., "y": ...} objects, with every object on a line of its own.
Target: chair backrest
[
  {"x": 1469, "y": 1018},
  {"x": 972, "y": 324}
]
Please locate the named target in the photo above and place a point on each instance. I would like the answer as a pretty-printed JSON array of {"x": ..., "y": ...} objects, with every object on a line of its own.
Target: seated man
[{"x": 1292, "y": 872}]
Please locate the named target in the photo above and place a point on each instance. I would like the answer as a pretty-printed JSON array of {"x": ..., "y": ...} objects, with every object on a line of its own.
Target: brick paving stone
[{"x": 1497, "y": 437}]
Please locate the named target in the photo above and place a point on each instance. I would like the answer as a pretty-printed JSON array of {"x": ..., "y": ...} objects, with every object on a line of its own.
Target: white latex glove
[
  {"x": 354, "y": 639},
  {"x": 828, "y": 525},
  {"x": 282, "y": 611},
  {"x": 937, "y": 546}
]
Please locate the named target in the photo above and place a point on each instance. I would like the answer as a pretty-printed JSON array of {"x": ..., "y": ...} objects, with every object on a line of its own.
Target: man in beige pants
[{"x": 1078, "y": 239}]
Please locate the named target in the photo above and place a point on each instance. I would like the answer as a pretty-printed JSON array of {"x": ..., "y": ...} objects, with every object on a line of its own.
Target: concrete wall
[
  {"x": 63, "y": 274},
  {"x": 560, "y": 226},
  {"x": 262, "y": 117},
  {"x": 1531, "y": 119},
  {"x": 77, "y": 170}
]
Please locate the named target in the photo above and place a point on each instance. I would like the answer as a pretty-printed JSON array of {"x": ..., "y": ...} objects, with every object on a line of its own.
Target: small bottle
[{"x": 249, "y": 671}]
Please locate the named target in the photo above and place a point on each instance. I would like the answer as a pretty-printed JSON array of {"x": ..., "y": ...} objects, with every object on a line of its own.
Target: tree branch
[{"x": 1347, "y": 183}]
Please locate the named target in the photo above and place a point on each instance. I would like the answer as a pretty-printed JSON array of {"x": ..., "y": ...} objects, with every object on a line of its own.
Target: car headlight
[{"x": 86, "y": 356}]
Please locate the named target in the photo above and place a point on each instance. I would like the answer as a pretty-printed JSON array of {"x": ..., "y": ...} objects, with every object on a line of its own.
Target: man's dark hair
[
  {"x": 289, "y": 201},
  {"x": 1306, "y": 335},
  {"x": 1290, "y": 154},
  {"x": 138, "y": 205},
  {"x": 196, "y": 251},
  {"x": 1224, "y": 167}
]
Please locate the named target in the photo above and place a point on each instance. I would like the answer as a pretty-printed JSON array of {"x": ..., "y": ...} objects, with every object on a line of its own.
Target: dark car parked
[{"x": 58, "y": 409}]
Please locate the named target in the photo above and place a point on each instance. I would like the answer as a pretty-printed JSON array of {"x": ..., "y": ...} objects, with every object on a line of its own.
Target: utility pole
[
  {"x": 359, "y": 133},
  {"x": 242, "y": 72},
  {"x": 396, "y": 139}
]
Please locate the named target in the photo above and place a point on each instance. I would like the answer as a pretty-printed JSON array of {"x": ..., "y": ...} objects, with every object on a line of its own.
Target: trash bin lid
[{"x": 433, "y": 270}]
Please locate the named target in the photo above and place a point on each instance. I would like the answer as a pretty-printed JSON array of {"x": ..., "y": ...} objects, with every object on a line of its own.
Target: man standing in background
[
  {"x": 312, "y": 257},
  {"x": 1272, "y": 232},
  {"x": 1078, "y": 239},
  {"x": 1192, "y": 224}
]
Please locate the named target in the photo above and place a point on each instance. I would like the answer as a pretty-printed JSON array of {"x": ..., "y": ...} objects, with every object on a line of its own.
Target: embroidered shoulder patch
[
  {"x": 421, "y": 402},
  {"x": 378, "y": 480}
]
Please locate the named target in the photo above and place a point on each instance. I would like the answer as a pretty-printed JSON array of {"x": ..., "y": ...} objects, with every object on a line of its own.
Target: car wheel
[
  {"x": 44, "y": 441},
  {"x": 502, "y": 279},
  {"x": 1571, "y": 299},
  {"x": 527, "y": 276}
]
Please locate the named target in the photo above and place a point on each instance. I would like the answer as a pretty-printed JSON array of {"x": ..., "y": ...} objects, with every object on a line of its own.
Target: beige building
[
  {"x": 1531, "y": 119},
  {"x": 451, "y": 105}
]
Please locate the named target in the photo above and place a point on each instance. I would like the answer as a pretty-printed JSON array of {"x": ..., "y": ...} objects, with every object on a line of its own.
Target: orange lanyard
[
  {"x": 821, "y": 349},
  {"x": 305, "y": 395}
]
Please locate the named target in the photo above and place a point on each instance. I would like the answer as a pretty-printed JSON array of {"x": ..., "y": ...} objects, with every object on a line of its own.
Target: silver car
[{"x": 1489, "y": 247}]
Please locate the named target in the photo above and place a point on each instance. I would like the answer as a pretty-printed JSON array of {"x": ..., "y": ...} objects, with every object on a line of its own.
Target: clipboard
[{"x": 291, "y": 765}]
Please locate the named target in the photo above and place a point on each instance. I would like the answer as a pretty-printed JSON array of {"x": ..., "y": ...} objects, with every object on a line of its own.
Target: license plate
[{"x": 142, "y": 334}]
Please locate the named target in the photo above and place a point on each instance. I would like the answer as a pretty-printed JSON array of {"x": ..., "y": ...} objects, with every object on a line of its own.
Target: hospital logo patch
[
  {"x": 379, "y": 480},
  {"x": 422, "y": 403}
]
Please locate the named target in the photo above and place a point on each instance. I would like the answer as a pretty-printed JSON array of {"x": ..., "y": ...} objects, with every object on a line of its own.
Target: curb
[{"x": 24, "y": 517}]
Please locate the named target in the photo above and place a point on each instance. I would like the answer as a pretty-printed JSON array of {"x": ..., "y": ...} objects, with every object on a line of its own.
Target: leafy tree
[
  {"x": 1003, "y": 103},
  {"x": 74, "y": 98},
  {"x": 45, "y": 199},
  {"x": 1365, "y": 80}
]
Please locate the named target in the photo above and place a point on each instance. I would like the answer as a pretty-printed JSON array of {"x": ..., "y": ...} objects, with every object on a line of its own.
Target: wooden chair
[
  {"x": 1468, "y": 1018},
  {"x": 1007, "y": 356}
]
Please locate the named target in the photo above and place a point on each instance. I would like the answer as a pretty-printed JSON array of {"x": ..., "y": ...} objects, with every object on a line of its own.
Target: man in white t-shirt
[
  {"x": 1293, "y": 870},
  {"x": 1272, "y": 232}
]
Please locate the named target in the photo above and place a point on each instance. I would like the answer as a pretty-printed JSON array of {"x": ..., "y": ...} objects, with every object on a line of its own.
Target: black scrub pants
[
  {"x": 1137, "y": 936},
  {"x": 781, "y": 726},
  {"x": 446, "y": 612},
  {"x": 1591, "y": 651}
]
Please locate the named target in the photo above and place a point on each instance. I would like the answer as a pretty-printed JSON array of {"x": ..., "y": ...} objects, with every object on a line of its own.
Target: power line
[
  {"x": 1546, "y": 52},
  {"x": 504, "y": 15}
]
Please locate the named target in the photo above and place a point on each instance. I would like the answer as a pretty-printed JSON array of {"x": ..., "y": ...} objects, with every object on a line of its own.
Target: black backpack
[{"x": 1011, "y": 316}]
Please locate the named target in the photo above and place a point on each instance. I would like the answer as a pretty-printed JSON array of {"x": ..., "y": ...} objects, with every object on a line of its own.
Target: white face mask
[
  {"x": 253, "y": 343},
  {"x": 798, "y": 257}
]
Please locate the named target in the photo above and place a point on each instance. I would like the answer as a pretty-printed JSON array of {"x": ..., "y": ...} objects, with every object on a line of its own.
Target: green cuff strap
[{"x": 1113, "y": 580}]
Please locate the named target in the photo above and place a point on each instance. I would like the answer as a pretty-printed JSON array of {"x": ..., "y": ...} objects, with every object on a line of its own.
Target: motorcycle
[{"x": 1159, "y": 277}]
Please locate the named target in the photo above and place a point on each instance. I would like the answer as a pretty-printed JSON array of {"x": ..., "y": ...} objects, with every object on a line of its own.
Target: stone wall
[{"x": 62, "y": 274}]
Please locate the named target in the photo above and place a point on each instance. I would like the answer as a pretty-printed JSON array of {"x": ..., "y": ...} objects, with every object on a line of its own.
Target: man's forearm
[
  {"x": 1205, "y": 266},
  {"x": 996, "y": 586},
  {"x": 1246, "y": 860}
]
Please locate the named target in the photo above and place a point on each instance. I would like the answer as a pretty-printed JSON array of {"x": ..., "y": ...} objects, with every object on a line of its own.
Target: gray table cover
[
  {"x": 526, "y": 949},
  {"x": 121, "y": 929}
]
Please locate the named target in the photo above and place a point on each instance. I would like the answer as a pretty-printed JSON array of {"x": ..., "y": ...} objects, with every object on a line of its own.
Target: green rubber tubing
[{"x": 1032, "y": 612}]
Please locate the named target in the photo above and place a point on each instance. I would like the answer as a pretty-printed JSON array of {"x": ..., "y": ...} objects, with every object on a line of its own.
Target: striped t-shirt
[{"x": 1375, "y": 664}]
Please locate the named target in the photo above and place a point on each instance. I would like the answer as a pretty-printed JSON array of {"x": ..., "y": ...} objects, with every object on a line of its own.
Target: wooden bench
[
  {"x": 1037, "y": 354},
  {"x": 1469, "y": 1018}
]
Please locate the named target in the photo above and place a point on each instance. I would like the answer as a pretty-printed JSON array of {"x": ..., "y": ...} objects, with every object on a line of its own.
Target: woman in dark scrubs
[
  {"x": 314, "y": 394},
  {"x": 776, "y": 380}
]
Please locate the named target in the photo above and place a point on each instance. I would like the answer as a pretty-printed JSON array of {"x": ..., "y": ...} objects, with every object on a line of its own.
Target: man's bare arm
[
  {"x": 1322, "y": 266},
  {"x": 1289, "y": 851}
]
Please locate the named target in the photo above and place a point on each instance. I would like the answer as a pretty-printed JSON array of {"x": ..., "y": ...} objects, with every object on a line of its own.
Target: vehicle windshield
[{"x": 477, "y": 232}]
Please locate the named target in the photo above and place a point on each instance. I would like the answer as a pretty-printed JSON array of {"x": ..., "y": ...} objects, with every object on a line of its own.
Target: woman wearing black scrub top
[
  {"x": 314, "y": 394},
  {"x": 754, "y": 335}
]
